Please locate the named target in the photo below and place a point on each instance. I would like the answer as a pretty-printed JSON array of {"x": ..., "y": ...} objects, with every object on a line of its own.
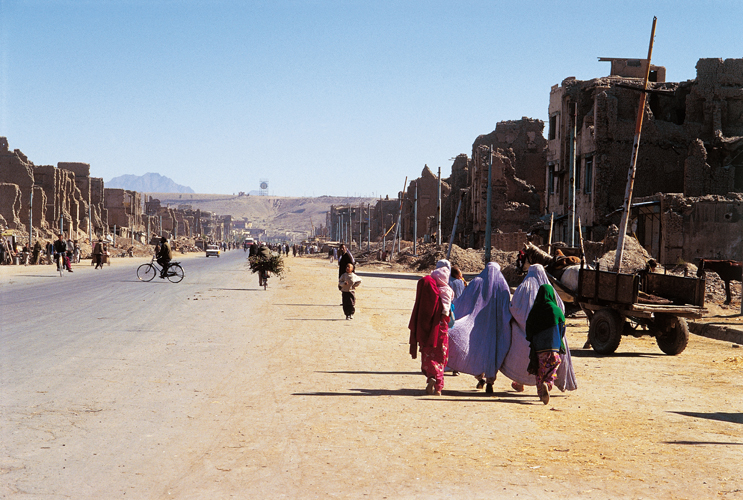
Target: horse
[
  {"x": 562, "y": 267},
  {"x": 727, "y": 270}
]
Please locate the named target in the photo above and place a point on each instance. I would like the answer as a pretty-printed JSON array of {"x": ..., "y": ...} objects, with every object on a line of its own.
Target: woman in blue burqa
[
  {"x": 517, "y": 360},
  {"x": 481, "y": 336}
]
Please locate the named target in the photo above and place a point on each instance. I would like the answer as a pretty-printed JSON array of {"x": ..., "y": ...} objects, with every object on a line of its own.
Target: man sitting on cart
[{"x": 164, "y": 255}]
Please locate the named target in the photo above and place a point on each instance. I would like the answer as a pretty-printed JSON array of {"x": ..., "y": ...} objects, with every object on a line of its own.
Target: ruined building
[
  {"x": 691, "y": 142},
  {"x": 519, "y": 153},
  {"x": 425, "y": 188},
  {"x": 124, "y": 211},
  {"x": 348, "y": 223}
]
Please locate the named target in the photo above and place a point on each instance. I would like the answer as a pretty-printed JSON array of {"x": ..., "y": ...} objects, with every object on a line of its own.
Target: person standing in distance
[{"x": 344, "y": 259}]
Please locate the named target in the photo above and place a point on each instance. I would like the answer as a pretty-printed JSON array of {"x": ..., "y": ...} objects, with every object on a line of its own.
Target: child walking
[{"x": 347, "y": 284}]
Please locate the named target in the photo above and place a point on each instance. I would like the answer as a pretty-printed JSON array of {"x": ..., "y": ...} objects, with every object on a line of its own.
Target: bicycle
[
  {"x": 147, "y": 272},
  {"x": 60, "y": 263},
  {"x": 263, "y": 279}
]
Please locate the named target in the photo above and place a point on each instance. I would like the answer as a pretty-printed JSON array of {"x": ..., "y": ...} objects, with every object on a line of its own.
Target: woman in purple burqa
[
  {"x": 481, "y": 336},
  {"x": 517, "y": 360}
]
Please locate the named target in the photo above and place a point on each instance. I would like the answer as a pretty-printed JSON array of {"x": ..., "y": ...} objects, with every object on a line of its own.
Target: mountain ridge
[{"x": 148, "y": 183}]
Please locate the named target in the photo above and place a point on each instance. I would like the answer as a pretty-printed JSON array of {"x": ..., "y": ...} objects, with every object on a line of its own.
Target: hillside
[
  {"x": 273, "y": 213},
  {"x": 147, "y": 183}
]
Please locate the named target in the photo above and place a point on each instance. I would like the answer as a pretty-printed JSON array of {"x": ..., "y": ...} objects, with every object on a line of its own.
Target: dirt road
[{"x": 273, "y": 394}]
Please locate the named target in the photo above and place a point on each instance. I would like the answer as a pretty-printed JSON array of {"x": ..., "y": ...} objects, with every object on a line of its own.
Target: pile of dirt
[{"x": 634, "y": 257}]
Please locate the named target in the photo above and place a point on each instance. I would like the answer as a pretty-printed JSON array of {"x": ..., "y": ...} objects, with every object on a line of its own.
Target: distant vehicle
[
  {"x": 249, "y": 241},
  {"x": 212, "y": 250}
]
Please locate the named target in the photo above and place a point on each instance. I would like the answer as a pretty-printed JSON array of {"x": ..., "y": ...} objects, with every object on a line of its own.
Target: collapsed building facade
[
  {"x": 65, "y": 198},
  {"x": 421, "y": 200},
  {"x": 691, "y": 144}
]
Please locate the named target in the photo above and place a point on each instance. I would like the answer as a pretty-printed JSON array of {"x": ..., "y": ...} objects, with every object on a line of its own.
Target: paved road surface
[{"x": 212, "y": 388}]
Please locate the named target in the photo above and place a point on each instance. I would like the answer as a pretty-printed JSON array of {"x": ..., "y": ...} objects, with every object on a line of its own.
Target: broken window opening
[
  {"x": 588, "y": 184},
  {"x": 553, "y": 127},
  {"x": 551, "y": 180}
]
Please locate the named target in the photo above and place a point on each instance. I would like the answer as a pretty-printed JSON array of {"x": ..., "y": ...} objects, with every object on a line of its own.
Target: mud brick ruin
[
  {"x": 67, "y": 199},
  {"x": 687, "y": 193},
  {"x": 691, "y": 144}
]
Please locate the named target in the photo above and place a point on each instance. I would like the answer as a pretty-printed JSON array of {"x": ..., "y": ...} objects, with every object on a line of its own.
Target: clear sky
[{"x": 319, "y": 97}]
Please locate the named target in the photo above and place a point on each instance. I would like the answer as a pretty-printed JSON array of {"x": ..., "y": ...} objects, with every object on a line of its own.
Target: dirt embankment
[{"x": 599, "y": 254}]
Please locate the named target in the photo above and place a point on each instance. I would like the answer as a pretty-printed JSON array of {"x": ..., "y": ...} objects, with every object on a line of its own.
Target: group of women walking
[{"x": 484, "y": 330}]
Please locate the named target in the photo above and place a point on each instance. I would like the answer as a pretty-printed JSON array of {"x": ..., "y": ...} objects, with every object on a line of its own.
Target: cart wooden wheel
[
  {"x": 671, "y": 334},
  {"x": 605, "y": 331}
]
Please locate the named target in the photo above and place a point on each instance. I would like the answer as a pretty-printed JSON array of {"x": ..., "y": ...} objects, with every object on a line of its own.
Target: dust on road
[
  {"x": 338, "y": 410},
  {"x": 273, "y": 394}
]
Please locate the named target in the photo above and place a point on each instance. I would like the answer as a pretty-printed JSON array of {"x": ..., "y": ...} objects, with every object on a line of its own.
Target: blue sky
[{"x": 320, "y": 97}]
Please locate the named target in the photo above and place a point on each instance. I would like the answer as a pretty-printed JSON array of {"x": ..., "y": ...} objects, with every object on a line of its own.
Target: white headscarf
[{"x": 444, "y": 263}]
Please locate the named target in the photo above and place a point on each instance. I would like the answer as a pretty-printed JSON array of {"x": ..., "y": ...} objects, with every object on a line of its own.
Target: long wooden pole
[
  {"x": 549, "y": 238},
  {"x": 398, "y": 233},
  {"x": 633, "y": 163},
  {"x": 489, "y": 210}
]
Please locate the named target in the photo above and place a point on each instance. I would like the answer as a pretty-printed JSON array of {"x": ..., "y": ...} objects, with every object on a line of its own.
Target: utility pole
[
  {"x": 438, "y": 211},
  {"x": 368, "y": 226},
  {"x": 90, "y": 222},
  {"x": 454, "y": 227},
  {"x": 489, "y": 213},
  {"x": 361, "y": 211},
  {"x": 31, "y": 219},
  {"x": 571, "y": 176},
  {"x": 633, "y": 163},
  {"x": 415, "y": 221}
]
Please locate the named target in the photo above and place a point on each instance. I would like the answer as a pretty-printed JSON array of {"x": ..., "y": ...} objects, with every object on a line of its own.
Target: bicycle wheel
[
  {"x": 175, "y": 273},
  {"x": 146, "y": 272}
]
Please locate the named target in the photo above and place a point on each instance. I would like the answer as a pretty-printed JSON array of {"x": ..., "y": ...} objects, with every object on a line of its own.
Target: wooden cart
[{"x": 639, "y": 304}]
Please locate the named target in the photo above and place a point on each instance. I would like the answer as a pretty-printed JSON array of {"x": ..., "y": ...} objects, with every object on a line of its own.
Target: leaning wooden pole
[
  {"x": 633, "y": 163},
  {"x": 549, "y": 237},
  {"x": 398, "y": 233}
]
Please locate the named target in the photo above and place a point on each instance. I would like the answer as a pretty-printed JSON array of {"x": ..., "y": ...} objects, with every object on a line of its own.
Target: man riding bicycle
[
  {"x": 164, "y": 255},
  {"x": 60, "y": 252}
]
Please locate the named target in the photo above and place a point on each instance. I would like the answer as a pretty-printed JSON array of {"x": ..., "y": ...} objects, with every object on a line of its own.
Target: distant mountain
[{"x": 147, "y": 183}]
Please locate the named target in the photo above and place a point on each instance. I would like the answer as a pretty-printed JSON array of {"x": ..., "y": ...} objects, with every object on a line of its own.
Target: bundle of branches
[{"x": 272, "y": 264}]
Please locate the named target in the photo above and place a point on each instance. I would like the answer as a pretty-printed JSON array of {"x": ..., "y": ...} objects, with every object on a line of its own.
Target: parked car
[{"x": 212, "y": 250}]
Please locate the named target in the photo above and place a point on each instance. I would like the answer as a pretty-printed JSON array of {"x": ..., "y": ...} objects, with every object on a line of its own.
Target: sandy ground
[
  {"x": 341, "y": 413},
  {"x": 319, "y": 407}
]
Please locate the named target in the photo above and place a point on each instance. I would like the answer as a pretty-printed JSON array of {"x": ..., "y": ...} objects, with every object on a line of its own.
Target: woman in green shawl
[{"x": 545, "y": 329}]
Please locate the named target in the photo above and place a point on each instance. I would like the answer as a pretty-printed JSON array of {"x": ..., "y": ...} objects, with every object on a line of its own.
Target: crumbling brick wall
[
  {"x": 10, "y": 206},
  {"x": 16, "y": 169},
  {"x": 525, "y": 138},
  {"x": 709, "y": 227},
  {"x": 515, "y": 203},
  {"x": 427, "y": 187}
]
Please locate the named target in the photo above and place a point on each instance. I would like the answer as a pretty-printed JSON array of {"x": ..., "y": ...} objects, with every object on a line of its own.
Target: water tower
[{"x": 264, "y": 188}]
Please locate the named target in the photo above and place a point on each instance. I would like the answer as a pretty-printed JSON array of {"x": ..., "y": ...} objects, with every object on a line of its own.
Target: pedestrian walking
[
  {"x": 545, "y": 329},
  {"x": 481, "y": 335},
  {"x": 344, "y": 259},
  {"x": 429, "y": 327},
  {"x": 347, "y": 284},
  {"x": 98, "y": 254},
  {"x": 516, "y": 364}
]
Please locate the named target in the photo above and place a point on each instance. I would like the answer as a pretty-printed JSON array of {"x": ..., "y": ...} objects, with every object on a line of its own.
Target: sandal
[
  {"x": 543, "y": 393},
  {"x": 430, "y": 387},
  {"x": 517, "y": 387}
]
